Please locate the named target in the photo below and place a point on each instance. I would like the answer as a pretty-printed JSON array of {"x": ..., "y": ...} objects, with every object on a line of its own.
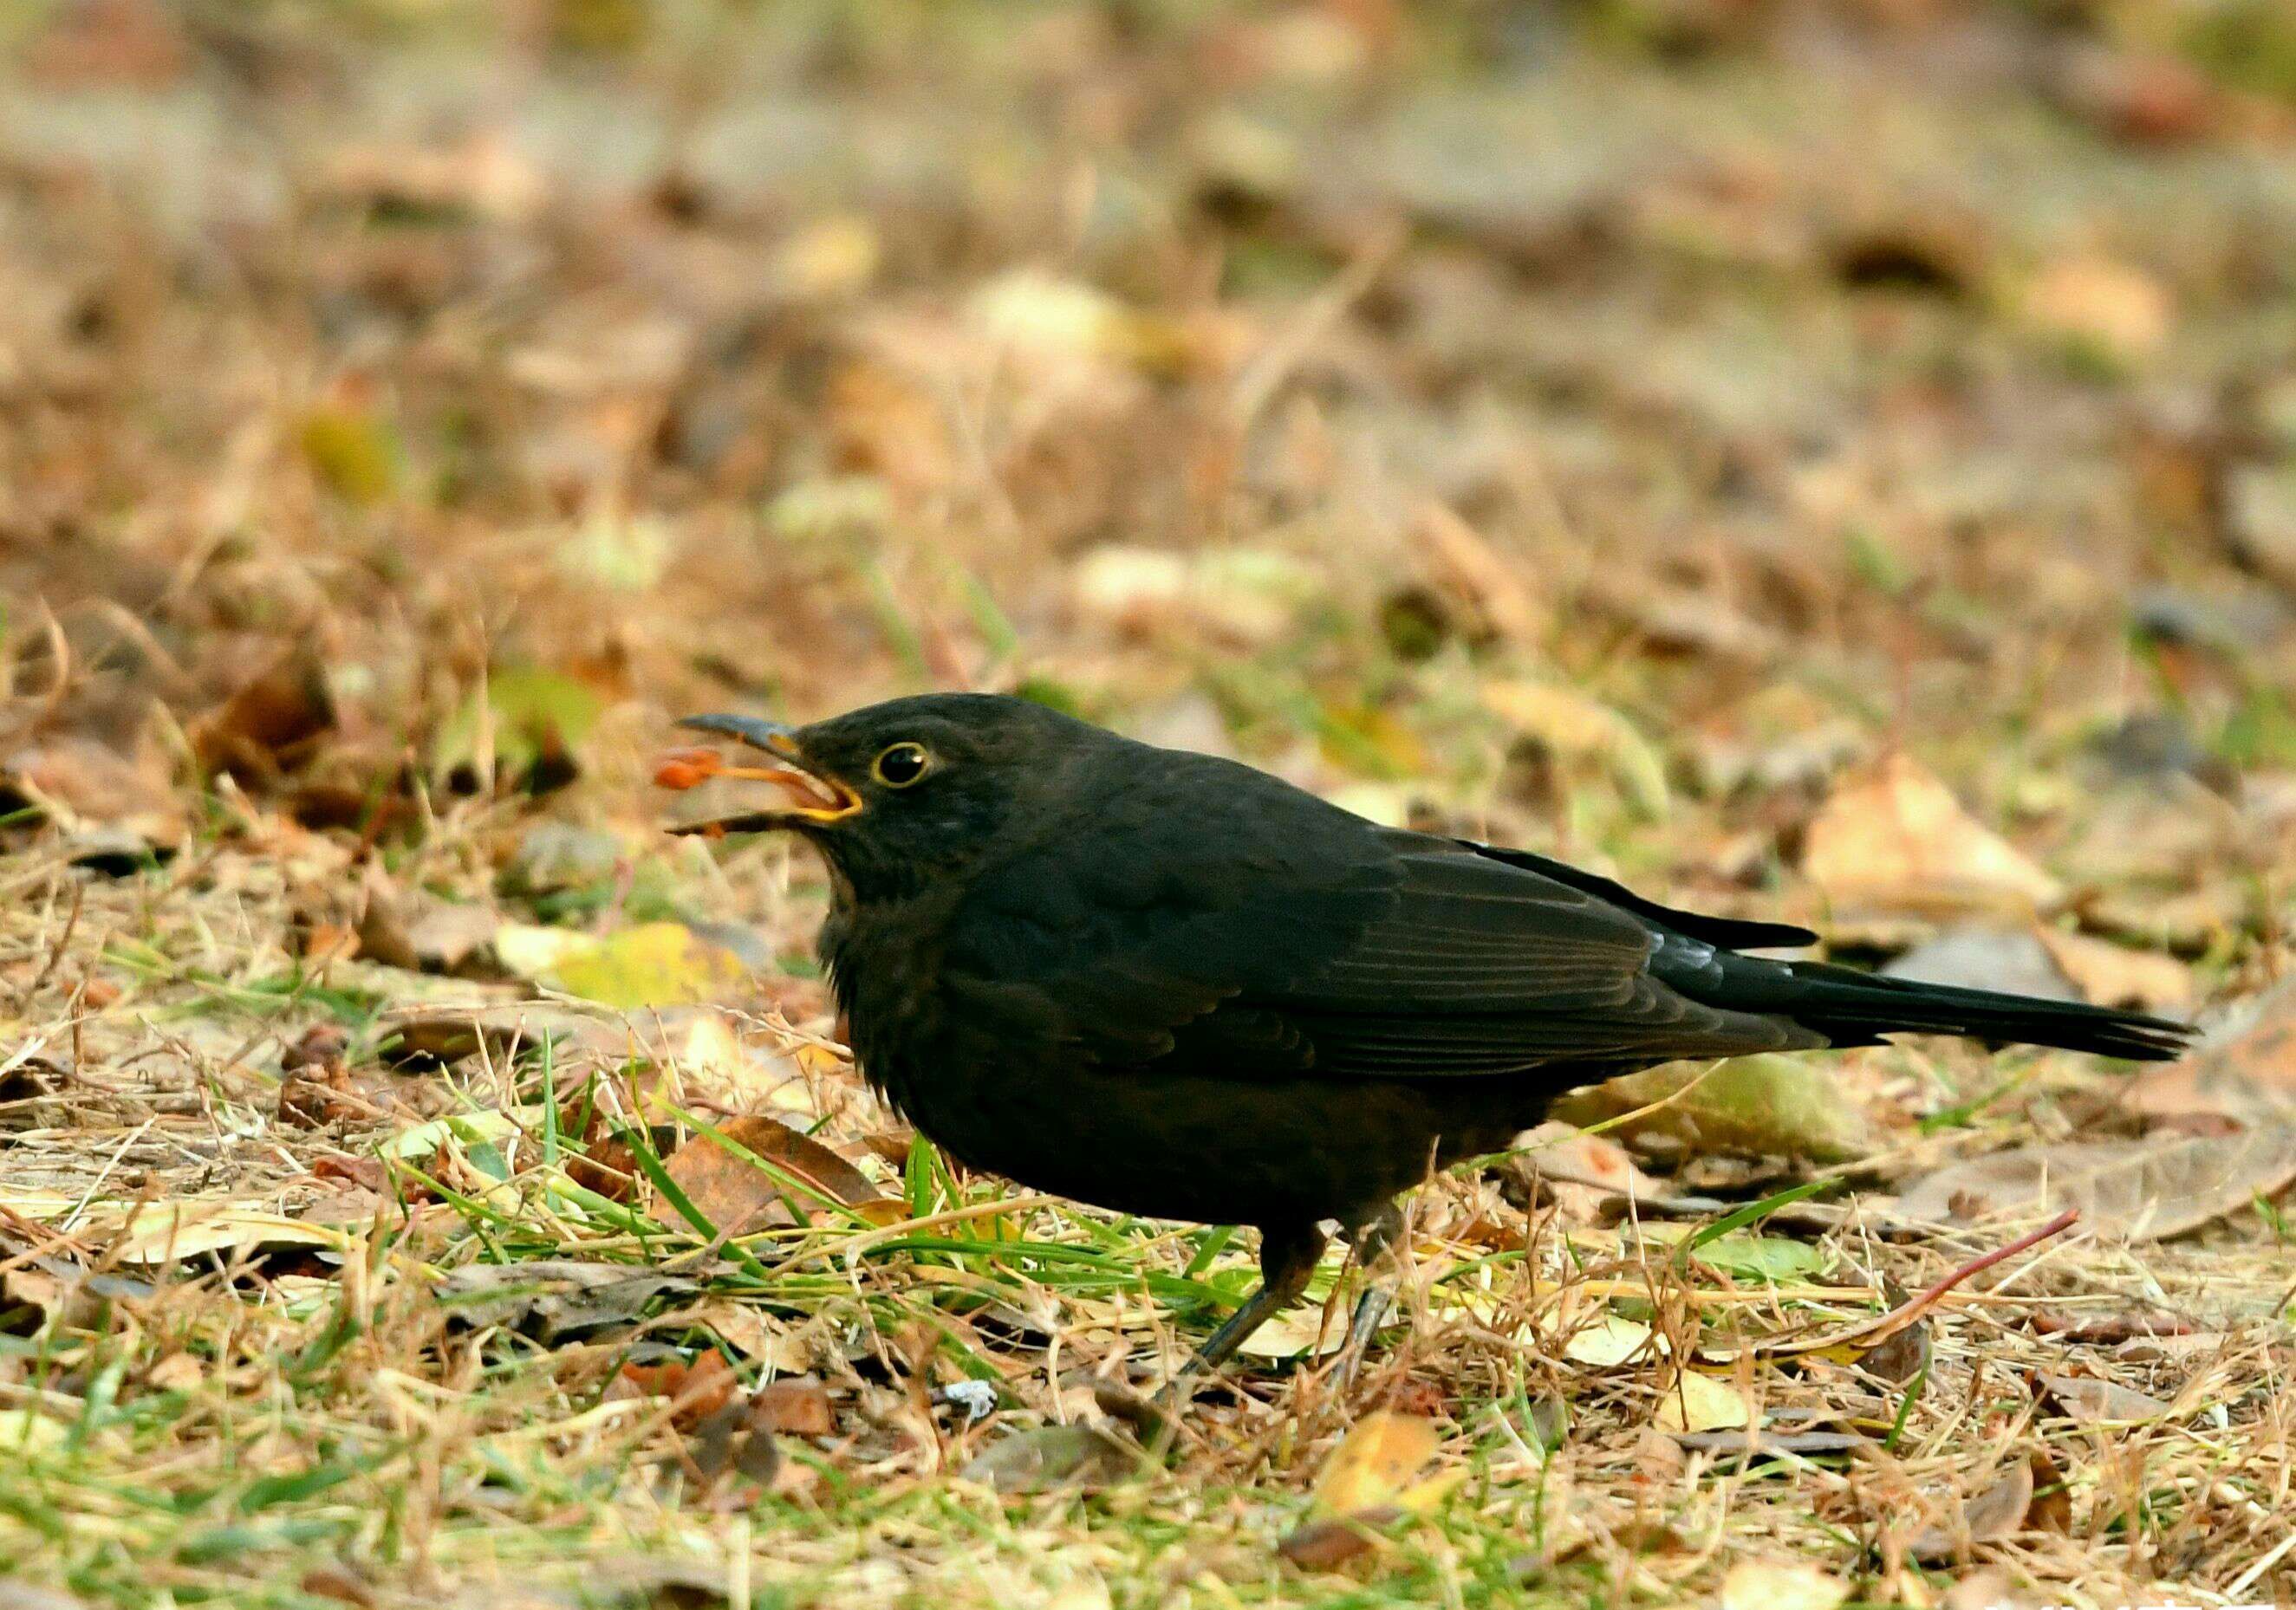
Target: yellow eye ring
[{"x": 901, "y": 764}]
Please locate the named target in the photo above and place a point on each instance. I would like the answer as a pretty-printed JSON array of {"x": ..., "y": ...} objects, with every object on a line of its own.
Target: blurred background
[{"x": 1620, "y": 426}]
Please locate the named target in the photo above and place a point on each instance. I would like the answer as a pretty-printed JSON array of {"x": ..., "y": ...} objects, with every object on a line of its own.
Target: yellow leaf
[
  {"x": 832, "y": 256},
  {"x": 169, "y": 1232},
  {"x": 1374, "y": 1462},
  {"x": 1574, "y": 726},
  {"x": 1897, "y": 837},
  {"x": 1612, "y": 1341},
  {"x": 352, "y": 453},
  {"x": 27, "y": 1429},
  {"x": 653, "y": 964},
  {"x": 1289, "y": 1336},
  {"x": 1700, "y": 1402},
  {"x": 1780, "y": 1585}
]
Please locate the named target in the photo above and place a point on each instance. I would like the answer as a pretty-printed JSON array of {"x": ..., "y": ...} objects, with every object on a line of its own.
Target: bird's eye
[{"x": 902, "y": 764}]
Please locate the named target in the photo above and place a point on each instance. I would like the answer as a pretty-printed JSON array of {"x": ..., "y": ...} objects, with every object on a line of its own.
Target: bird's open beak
[{"x": 810, "y": 794}]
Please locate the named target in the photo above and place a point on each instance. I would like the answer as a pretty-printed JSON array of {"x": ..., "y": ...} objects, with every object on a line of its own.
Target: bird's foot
[{"x": 1372, "y": 1309}]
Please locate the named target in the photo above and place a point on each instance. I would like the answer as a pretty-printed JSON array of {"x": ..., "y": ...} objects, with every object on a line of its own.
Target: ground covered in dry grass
[{"x": 1835, "y": 463}]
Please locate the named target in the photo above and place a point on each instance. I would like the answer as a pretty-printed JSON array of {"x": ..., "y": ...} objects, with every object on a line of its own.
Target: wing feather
[{"x": 1376, "y": 953}]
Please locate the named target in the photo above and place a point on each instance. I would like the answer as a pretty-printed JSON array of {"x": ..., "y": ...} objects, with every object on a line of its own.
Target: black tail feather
[{"x": 1852, "y": 1007}]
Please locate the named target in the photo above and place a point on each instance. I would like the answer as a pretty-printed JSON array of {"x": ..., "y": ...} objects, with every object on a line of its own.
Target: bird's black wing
[
  {"x": 1733, "y": 932},
  {"x": 1285, "y": 935}
]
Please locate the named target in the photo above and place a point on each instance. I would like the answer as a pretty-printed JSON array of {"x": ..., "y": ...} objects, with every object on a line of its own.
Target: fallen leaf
[
  {"x": 734, "y": 1437},
  {"x": 1466, "y": 565},
  {"x": 555, "y": 1299},
  {"x": 1759, "y": 1584},
  {"x": 82, "y": 787},
  {"x": 1370, "y": 1480},
  {"x": 2112, "y": 308},
  {"x": 2007, "y": 1506},
  {"x": 1901, "y": 1355},
  {"x": 1556, "y": 1150},
  {"x": 2110, "y": 1329},
  {"x": 1332, "y": 1542},
  {"x": 1894, "y": 837},
  {"x": 27, "y": 1430},
  {"x": 2144, "y": 1189},
  {"x": 1296, "y": 1333},
  {"x": 651, "y": 964},
  {"x": 2094, "y": 1401},
  {"x": 270, "y": 725},
  {"x": 2115, "y": 975},
  {"x": 1243, "y": 596},
  {"x": 1981, "y": 956},
  {"x": 1612, "y": 1341},
  {"x": 624, "y": 553},
  {"x": 2250, "y": 1072},
  {"x": 1051, "y": 1456},
  {"x": 533, "y": 950},
  {"x": 756, "y": 1335},
  {"x": 469, "y": 1129},
  {"x": 1759, "y": 1106},
  {"x": 1742, "y": 1253},
  {"x": 1374, "y": 1462},
  {"x": 828, "y": 258},
  {"x": 794, "y": 1405},
  {"x": 1573, "y": 727},
  {"x": 535, "y": 718},
  {"x": 1700, "y": 1402},
  {"x": 737, "y": 1195},
  {"x": 421, "y": 932},
  {"x": 353, "y": 453},
  {"x": 1805, "y": 1444},
  {"x": 695, "y": 1390},
  {"x": 166, "y": 1232}
]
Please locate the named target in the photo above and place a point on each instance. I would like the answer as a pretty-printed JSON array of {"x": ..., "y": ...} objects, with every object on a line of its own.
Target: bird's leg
[
  {"x": 1373, "y": 1241},
  {"x": 1287, "y": 1259}
]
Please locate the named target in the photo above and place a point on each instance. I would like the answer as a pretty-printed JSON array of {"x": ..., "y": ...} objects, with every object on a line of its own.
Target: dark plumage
[{"x": 1171, "y": 985}]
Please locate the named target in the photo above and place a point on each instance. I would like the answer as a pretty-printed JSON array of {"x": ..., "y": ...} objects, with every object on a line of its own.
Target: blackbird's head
[{"x": 898, "y": 794}]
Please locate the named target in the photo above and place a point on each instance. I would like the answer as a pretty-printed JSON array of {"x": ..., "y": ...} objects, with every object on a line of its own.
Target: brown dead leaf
[
  {"x": 1561, "y": 1151},
  {"x": 2253, "y": 1073},
  {"x": 2147, "y": 1190},
  {"x": 737, "y": 1196},
  {"x": 422, "y": 933},
  {"x": 2096, "y": 1401},
  {"x": 1054, "y": 1457},
  {"x": 506, "y": 1029},
  {"x": 1465, "y": 563},
  {"x": 795, "y": 1406},
  {"x": 2114, "y": 975},
  {"x": 270, "y": 726},
  {"x": 1894, "y": 837},
  {"x": 696, "y": 1391},
  {"x": 2110, "y": 1329},
  {"x": 82, "y": 787},
  {"x": 735, "y": 1437},
  {"x": 2029, "y": 1496},
  {"x": 1327, "y": 1544}
]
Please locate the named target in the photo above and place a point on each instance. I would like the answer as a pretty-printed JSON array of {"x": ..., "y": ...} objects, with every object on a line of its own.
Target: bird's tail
[{"x": 1852, "y": 1007}]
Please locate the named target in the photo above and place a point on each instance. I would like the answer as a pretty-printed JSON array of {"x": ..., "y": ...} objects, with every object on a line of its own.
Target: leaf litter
[{"x": 346, "y": 608}]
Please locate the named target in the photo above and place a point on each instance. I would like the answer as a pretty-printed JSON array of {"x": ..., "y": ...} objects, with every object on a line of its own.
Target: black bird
[{"x": 1170, "y": 985}]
